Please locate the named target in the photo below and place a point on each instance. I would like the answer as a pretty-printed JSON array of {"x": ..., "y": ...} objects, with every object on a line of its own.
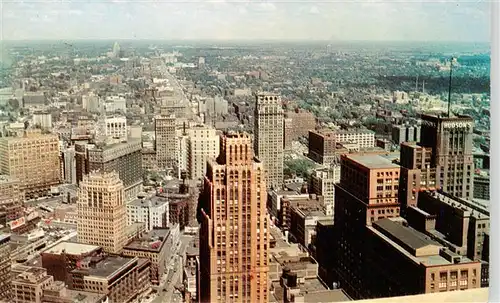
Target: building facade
[
  {"x": 203, "y": 144},
  {"x": 122, "y": 157},
  {"x": 234, "y": 234},
  {"x": 5, "y": 268},
  {"x": 33, "y": 152},
  {"x": 102, "y": 214},
  {"x": 451, "y": 141},
  {"x": 165, "y": 141},
  {"x": 11, "y": 199},
  {"x": 323, "y": 183},
  {"x": 153, "y": 212},
  {"x": 268, "y": 137}
]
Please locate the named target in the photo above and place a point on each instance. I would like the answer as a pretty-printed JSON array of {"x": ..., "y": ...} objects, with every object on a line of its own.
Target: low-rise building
[
  {"x": 152, "y": 211},
  {"x": 29, "y": 283},
  {"x": 120, "y": 278},
  {"x": 157, "y": 246}
]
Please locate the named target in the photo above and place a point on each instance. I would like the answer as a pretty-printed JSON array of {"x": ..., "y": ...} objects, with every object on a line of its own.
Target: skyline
[{"x": 453, "y": 21}]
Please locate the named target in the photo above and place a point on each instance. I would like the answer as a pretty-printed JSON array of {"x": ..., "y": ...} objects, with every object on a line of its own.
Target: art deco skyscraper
[
  {"x": 268, "y": 136},
  {"x": 102, "y": 213},
  {"x": 234, "y": 236}
]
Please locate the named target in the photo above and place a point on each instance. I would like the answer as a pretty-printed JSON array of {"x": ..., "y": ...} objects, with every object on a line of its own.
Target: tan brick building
[
  {"x": 102, "y": 213},
  {"x": 34, "y": 159}
]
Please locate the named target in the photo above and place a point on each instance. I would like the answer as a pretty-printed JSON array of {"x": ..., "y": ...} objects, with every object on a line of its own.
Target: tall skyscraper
[
  {"x": 34, "y": 159},
  {"x": 165, "y": 141},
  {"x": 234, "y": 234},
  {"x": 102, "y": 214},
  {"x": 451, "y": 141},
  {"x": 203, "y": 143},
  {"x": 268, "y": 137}
]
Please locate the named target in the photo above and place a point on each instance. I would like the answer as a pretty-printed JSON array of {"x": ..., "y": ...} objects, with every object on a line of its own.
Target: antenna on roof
[{"x": 449, "y": 86}]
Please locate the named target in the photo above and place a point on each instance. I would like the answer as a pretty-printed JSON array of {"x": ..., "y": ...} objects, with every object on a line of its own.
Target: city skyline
[{"x": 241, "y": 20}]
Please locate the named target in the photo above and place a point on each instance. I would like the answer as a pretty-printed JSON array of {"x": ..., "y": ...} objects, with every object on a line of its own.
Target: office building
[
  {"x": 482, "y": 184},
  {"x": 268, "y": 137},
  {"x": 298, "y": 123},
  {"x": 42, "y": 119},
  {"x": 60, "y": 259},
  {"x": 157, "y": 246},
  {"x": 451, "y": 141},
  {"x": 11, "y": 199},
  {"x": 102, "y": 214},
  {"x": 234, "y": 234},
  {"x": 69, "y": 165},
  {"x": 323, "y": 183},
  {"x": 367, "y": 192},
  {"x": 5, "y": 268},
  {"x": 402, "y": 261},
  {"x": 28, "y": 286},
  {"x": 203, "y": 144},
  {"x": 116, "y": 127},
  {"x": 120, "y": 278},
  {"x": 417, "y": 173},
  {"x": 459, "y": 224},
  {"x": 405, "y": 133},
  {"x": 33, "y": 152},
  {"x": 165, "y": 141},
  {"x": 152, "y": 211},
  {"x": 324, "y": 145},
  {"x": 122, "y": 157}
]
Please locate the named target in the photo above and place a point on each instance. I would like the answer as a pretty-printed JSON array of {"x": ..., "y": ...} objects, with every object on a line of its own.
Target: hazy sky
[{"x": 257, "y": 19}]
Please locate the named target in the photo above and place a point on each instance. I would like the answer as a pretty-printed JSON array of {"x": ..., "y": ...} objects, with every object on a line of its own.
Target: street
[{"x": 174, "y": 275}]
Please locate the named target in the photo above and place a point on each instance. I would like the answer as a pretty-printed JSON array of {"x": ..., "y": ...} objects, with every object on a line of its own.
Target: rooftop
[
  {"x": 71, "y": 248},
  {"x": 372, "y": 161},
  {"x": 152, "y": 241},
  {"x": 463, "y": 296},
  {"x": 407, "y": 236},
  {"x": 109, "y": 266}
]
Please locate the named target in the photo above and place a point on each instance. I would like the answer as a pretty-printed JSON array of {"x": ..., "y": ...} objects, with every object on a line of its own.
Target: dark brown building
[
  {"x": 417, "y": 173},
  {"x": 298, "y": 123},
  {"x": 179, "y": 212},
  {"x": 61, "y": 259},
  {"x": 322, "y": 146},
  {"x": 451, "y": 141}
]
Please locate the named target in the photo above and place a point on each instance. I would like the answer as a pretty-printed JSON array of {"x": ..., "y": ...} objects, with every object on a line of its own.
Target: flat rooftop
[
  {"x": 110, "y": 266},
  {"x": 373, "y": 161},
  {"x": 407, "y": 236},
  {"x": 71, "y": 248},
  {"x": 152, "y": 241},
  {"x": 464, "y": 296}
]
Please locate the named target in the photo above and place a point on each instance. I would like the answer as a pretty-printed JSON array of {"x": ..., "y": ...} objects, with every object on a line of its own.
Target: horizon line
[{"x": 243, "y": 40}]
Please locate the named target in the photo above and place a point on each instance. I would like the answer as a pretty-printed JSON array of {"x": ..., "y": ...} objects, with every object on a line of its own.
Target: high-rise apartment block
[
  {"x": 234, "y": 234},
  {"x": 34, "y": 159},
  {"x": 11, "y": 199},
  {"x": 451, "y": 141},
  {"x": 203, "y": 144},
  {"x": 5, "y": 268},
  {"x": 165, "y": 141},
  {"x": 102, "y": 214},
  {"x": 268, "y": 137},
  {"x": 125, "y": 158}
]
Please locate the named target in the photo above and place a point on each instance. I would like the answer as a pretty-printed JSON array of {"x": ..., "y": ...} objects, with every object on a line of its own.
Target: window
[{"x": 442, "y": 284}]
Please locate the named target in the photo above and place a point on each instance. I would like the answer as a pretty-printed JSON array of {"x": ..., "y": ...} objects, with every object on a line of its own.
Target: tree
[{"x": 299, "y": 167}]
